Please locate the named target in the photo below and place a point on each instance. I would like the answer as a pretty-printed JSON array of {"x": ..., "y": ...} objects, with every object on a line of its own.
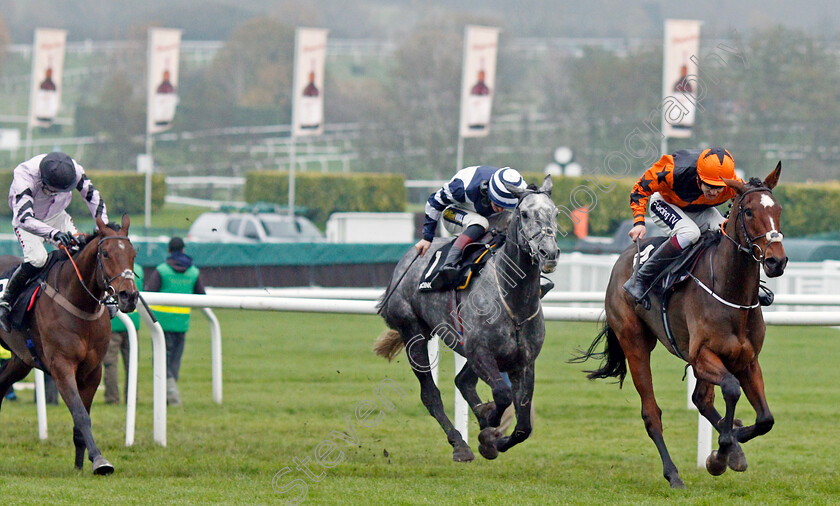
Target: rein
[{"x": 109, "y": 289}]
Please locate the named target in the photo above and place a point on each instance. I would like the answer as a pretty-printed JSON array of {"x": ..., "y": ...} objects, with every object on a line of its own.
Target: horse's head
[
  {"x": 115, "y": 260},
  {"x": 755, "y": 221},
  {"x": 534, "y": 224}
]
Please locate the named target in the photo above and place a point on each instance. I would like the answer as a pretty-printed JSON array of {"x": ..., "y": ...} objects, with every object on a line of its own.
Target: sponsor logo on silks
[
  {"x": 452, "y": 215},
  {"x": 426, "y": 285},
  {"x": 642, "y": 256},
  {"x": 666, "y": 214}
]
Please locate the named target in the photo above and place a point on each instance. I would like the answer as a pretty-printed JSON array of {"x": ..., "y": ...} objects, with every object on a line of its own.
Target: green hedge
[
  {"x": 808, "y": 208},
  {"x": 123, "y": 192},
  {"x": 323, "y": 194}
]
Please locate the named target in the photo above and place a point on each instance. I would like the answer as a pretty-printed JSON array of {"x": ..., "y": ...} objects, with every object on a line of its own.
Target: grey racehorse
[{"x": 500, "y": 316}]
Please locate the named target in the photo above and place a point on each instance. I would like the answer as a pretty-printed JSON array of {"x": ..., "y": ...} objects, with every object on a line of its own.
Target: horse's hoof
[
  {"x": 463, "y": 454},
  {"x": 102, "y": 467},
  {"x": 677, "y": 483},
  {"x": 737, "y": 460},
  {"x": 714, "y": 465},
  {"x": 487, "y": 442},
  {"x": 489, "y": 452},
  {"x": 488, "y": 436}
]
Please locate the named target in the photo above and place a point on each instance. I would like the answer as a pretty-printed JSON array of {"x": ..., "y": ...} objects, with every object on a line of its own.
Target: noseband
[
  {"x": 531, "y": 243},
  {"x": 107, "y": 282},
  {"x": 751, "y": 247}
]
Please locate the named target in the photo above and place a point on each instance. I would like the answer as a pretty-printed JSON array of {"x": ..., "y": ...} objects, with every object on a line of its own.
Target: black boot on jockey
[
  {"x": 13, "y": 289},
  {"x": 637, "y": 286},
  {"x": 470, "y": 235}
]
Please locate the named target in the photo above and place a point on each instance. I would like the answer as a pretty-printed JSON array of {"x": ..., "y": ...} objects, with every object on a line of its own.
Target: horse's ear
[
  {"x": 547, "y": 185},
  {"x": 772, "y": 179},
  {"x": 101, "y": 226},
  {"x": 515, "y": 190},
  {"x": 126, "y": 222},
  {"x": 736, "y": 185}
]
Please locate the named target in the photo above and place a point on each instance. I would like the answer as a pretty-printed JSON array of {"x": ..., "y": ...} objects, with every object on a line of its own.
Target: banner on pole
[
  {"x": 679, "y": 77},
  {"x": 162, "y": 78},
  {"x": 478, "y": 79},
  {"x": 308, "y": 81},
  {"x": 47, "y": 71}
]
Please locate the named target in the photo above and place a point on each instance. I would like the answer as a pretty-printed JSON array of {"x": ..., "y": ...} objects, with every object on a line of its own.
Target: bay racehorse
[
  {"x": 69, "y": 330},
  {"x": 499, "y": 314},
  {"x": 716, "y": 323}
]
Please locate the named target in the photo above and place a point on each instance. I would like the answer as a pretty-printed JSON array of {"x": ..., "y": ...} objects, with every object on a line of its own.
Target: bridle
[
  {"x": 110, "y": 291},
  {"x": 531, "y": 243},
  {"x": 751, "y": 247}
]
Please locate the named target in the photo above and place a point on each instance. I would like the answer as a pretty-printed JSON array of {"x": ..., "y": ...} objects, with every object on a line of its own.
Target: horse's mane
[
  {"x": 86, "y": 239},
  {"x": 755, "y": 182}
]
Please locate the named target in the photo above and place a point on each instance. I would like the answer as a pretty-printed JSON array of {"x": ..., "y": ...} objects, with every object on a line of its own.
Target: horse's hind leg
[
  {"x": 13, "y": 371},
  {"x": 65, "y": 381},
  {"x": 416, "y": 349},
  {"x": 637, "y": 350}
]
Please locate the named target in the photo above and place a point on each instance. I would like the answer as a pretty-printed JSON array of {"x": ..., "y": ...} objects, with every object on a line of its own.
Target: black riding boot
[
  {"x": 637, "y": 285},
  {"x": 468, "y": 236},
  {"x": 13, "y": 288}
]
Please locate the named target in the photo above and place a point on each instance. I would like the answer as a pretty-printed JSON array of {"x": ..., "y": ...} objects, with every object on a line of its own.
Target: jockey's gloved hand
[{"x": 64, "y": 239}]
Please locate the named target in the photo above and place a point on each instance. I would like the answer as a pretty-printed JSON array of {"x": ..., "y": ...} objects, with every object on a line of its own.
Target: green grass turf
[{"x": 292, "y": 379}]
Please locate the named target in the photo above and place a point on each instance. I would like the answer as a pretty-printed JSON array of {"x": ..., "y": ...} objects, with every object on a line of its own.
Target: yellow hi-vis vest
[{"x": 174, "y": 318}]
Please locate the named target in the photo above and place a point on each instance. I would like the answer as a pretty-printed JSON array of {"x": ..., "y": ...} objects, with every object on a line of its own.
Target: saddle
[
  {"x": 25, "y": 303},
  {"x": 473, "y": 258},
  {"x": 666, "y": 283}
]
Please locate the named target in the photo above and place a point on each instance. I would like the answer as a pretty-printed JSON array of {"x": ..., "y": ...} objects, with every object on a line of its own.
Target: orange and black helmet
[{"x": 713, "y": 164}]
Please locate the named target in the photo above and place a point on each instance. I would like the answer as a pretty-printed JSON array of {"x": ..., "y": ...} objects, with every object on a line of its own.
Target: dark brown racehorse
[
  {"x": 70, "y": 328},
  {"x": 716, "y": 322}
]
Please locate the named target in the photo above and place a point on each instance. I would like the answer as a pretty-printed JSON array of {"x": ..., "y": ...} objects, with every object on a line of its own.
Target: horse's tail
[
  {"x": 613, "y": 361},
  {"x": 388, "y": 344}
]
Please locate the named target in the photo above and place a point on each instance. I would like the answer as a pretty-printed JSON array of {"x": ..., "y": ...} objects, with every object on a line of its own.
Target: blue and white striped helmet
[{"x": 500, "y": 195}]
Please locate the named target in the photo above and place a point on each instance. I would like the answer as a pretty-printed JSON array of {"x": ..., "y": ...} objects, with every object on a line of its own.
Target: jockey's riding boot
[
  {"x": 638, "y": 285},
  {"x": 470, "y": 235},
  {"x": 13, "y": 288}
]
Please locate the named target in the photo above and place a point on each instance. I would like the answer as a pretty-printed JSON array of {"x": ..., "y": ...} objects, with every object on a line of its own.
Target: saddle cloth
[{"x": 473, "y": 258}]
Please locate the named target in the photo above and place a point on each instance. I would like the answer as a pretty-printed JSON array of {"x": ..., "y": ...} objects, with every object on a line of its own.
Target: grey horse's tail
[
  {"x": 388, "y": 344},
  {"x": 613, "y": 361}
]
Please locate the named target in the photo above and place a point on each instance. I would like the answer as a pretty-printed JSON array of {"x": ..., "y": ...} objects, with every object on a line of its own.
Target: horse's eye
[
  {"x": 748, "y": 213},
  {"x": 105, "y": 254},
  {"x": 525, "y": 214}
]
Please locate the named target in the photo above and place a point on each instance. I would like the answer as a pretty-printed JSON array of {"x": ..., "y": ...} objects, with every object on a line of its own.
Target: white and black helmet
[
  {"x": 500, "y": 195},
  {"x": 58, "y": 173}
]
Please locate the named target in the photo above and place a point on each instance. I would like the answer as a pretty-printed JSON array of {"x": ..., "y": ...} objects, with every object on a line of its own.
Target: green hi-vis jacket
[
  {"x": 116, "y": 324},
  {"x": 174, "y": 318}
]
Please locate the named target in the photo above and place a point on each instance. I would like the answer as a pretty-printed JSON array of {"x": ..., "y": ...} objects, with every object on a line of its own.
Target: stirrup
[{"x": 765, "y": 295}]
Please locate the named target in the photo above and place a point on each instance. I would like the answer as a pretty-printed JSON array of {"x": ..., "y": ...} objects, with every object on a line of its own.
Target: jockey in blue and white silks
[
  {"x": 39, "y": 195},
  {"x": 464, "y": 203}
]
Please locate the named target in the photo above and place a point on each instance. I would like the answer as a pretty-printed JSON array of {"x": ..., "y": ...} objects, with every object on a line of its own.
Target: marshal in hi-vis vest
[{"x": 173, "y": 318}]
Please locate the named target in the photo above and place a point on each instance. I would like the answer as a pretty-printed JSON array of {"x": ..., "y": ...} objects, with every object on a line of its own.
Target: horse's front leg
[
  {"x": 704, "y": 398},
  {"x": 752, "y": 381},
  {"x": 65, "y": 380},
  {"x": 523, "y": 392},
  {"x": 708, "y": 367}
]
